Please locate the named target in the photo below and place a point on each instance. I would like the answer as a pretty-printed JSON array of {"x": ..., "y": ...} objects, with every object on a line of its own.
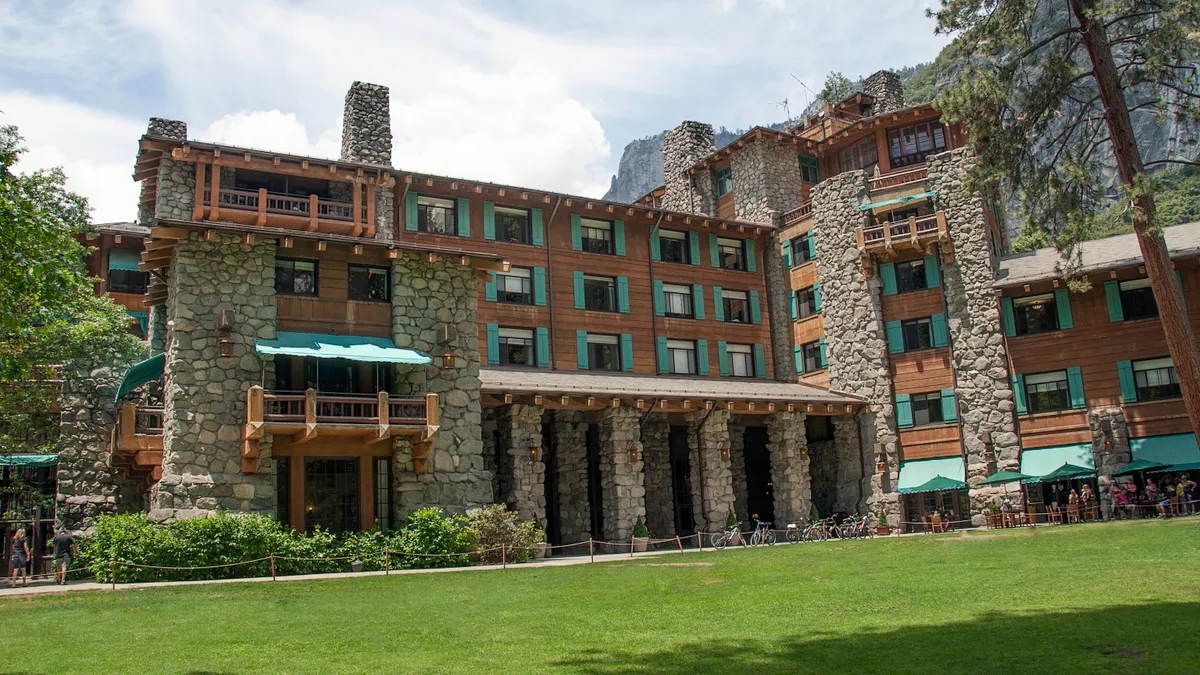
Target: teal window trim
[
  {"x": 537, "y": 235},
  {"x": 627, "y": 352},
  {"x": 489, "y": 221},
  {"x": 724, "y": 180},
  {"x": 1018, "y": 385},
  {"x": 904, "y": 418},
  {"x": 887, "y": 273},
  {"x": 543, "y": 347},
  {"x": 1008, "y": 317},
  {"x": 581, "y": 349},
  {"x": 463, "y": 210},
  {"x": 1062, "y": 305},
  {"x": 1075, "y": 387}
]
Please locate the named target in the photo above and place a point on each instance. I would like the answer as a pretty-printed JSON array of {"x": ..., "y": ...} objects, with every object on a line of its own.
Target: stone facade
[
  {"x": 887, "y": 90},
  {"x": 779, "y": 318},
  {"x": 205, "y": 395},
  {"x": 622, "y": 475},
  {"x": 684, "y": 147},
  {"x": 855, "y": 468},
  {"x": 712, "y": 476},
  {"x": 176, "y": 190},
  {"x": 367, "y": 125},
  {"x": 789, "y": 467},
  {"x": 656, "y": 455},
  {"x": 520, "y": 438},
  {"x": 737, "y": 465},
  {"x": 766, "y": 178},
  {"x": 159, "y": 127},
  {"x": 1110, "y": 449},
  {"x": 570, "y": 444}
]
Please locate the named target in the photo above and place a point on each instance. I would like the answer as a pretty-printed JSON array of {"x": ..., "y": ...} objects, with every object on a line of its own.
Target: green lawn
[{"x": 1112, "y": 598}]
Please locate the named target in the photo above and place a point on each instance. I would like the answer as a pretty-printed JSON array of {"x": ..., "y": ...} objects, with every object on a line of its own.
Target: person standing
[
  {"x": 19, "y": 557},
  {"x": 1189, "y": 493},
  {"x": 64, "y": 551}
]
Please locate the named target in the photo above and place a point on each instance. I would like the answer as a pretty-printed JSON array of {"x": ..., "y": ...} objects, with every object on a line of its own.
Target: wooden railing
[
  {"x": 265, "y": 202},
  {"x": 798, "y": 214},
  {"x": 910, "y": 232},
  {"x": 899, "y": 179},
  {"x": 341, "y": 408},
  {"x": 148, "y": 421}
]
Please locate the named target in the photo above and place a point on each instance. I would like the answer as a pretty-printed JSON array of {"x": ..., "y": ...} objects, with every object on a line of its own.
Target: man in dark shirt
[{"x": 64, "y": 550}]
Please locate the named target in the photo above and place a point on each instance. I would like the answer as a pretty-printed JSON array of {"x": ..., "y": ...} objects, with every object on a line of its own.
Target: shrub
[
  {"x": 430, "y": 532},
  {"x": 495, "y": 526},
  {"x": 639, "y": 529}
]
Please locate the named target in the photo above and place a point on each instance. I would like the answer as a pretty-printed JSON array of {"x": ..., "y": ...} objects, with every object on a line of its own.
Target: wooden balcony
[
  {"x": 371, "y": 418},
  {"x": 912, "y": 233},
  {"x": 899, "y": 179},
  {"x": 262, "y": 208},
  {"x": 798, "y": 214},
  {"x": 137, "y": 442}
]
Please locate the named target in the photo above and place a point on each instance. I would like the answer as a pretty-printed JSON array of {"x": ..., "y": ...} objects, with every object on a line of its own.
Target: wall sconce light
[
  {"x": 635, "y": 451},
  {"x": 448, "y": 359},
  {"x": 225, "y": 343},
  {"x": 723, "y": 448},
  {"x": 535, "y": 453},
  {"x": 804, "y": 451}
]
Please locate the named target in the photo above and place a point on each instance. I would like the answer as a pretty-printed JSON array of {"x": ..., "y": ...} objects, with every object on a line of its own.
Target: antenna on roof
[
  {"x": 784, "y": 104},
  {"x": 807, "y": 100}
]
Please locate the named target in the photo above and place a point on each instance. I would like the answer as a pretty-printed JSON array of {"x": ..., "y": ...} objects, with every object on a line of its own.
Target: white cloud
[{"x": 271, "y": 130}]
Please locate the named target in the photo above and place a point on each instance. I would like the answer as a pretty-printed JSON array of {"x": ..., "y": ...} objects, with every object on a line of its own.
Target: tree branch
[
  {"x": 1045, "y": 41},
  {"x": 1170, "y": 161}
]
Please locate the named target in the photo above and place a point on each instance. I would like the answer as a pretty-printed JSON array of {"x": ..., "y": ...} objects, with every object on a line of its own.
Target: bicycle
[
  {"x": 763, "y": 534},
  {"x": 722, "y": 539}
]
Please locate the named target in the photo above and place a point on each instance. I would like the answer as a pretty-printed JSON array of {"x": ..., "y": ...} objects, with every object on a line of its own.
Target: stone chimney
[
  {"x": 367, "y": 125},
  {"x": 887, "y": 90},
  {"x": 175, "y": 130},
  {"x": 683, "y": 147}
]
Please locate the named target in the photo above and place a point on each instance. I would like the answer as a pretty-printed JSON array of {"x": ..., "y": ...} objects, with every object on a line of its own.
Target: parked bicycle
[
  {"x": 763, "y": 534},
  {"x": 731, "y": 535}
]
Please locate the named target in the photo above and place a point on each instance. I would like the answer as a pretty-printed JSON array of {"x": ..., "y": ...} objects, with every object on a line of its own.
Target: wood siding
[
  {"x": 725, "y": 206},
  {"x": 332, "y": 311},
  {"x": 1050, "y": 429},
  {"x": 937, "y": 440}
]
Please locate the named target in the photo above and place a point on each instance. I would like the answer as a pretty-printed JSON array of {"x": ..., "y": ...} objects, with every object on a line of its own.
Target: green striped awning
[
  {"x": 897, "y": 200},
  {"x": 936, "y": 484},
  {"x": 352, "y": 347},
  {"x": 31, "y": 461},
  {"x": 140, "y": 373},
  {"x": 124, "y": 259},
  {"x": 916, "y": 473},
  {"x": 1041, "y": 461},
  {"x": 1170, "y": 450}
]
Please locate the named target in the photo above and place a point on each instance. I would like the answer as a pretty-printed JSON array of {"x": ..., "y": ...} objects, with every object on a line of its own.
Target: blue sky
[{"x": 537, "y": 93}]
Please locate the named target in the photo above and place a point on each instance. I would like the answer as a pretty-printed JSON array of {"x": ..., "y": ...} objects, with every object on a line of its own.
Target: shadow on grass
[{"x": 1152, "y": 638}]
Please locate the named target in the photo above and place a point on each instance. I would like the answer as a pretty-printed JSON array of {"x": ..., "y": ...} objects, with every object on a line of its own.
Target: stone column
[
  {"x": 822, "y": 475},
  {"x": 982, "y": 384},
  {"x": 656, "y": 453},
  {"x": 789, "y": 467},
  {"x": 853, "y": 467},
  {"x": 779, "y": 318},
  {"x": 712, "y": 474},
  {"x": 574, "y": 510},
  {"x": 520, "y": 429},
  {"x": 1110, "y": 449},
  {"x": 367, "y": 125},
  {"x": 766, "y": 179},
  {"x": 683, "y": 147},
  {"x": 622, "y": 477},
  {"x": 487, "y": 429},
  {"x": 887, "y": 90},
  {"x": 737, "y": 465}
]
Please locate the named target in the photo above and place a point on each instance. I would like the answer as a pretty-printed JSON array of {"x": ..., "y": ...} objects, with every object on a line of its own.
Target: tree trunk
[{"x": 1181, "y": 341}]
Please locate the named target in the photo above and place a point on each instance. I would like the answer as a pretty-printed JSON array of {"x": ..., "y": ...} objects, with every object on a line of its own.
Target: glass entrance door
[{"x": 331, "y": 497}]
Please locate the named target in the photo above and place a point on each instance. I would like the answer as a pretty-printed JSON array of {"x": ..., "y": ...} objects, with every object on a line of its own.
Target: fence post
[
  {"x": 700, "y": 540},
  {"x": 679, "y": 543},
  {"x": 592, "y": 549},
  {"x": 273, "y": 567},
  {"x": 503, "y": 558},
  {"x": 387, "y": 566},
  {"x": 631, "y": 546},
  {"x": 112, "y": 572}
]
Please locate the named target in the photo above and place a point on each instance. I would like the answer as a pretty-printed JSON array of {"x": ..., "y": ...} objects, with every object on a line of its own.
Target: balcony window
[
  {"x": 599, "y": 293},
  {"x": 124, "y": 275},
  {"x": 801, "y": 251},
  {"x": 335, "y": 376},
  {"x": 912, "y": 145},
  {"x": 926, "y": 408},
  {"x": 806, "y": 302},
  {"x": 681, "y": 357},
  {"x": 910, "y": 276},
  {"x": 898, "y": 216},
  {"x": 596, "y": 235},
  {"x": 741, "y": 360},
  {"x": 810, "y": 352},
  {"x": 383, "y": 493},
  {"x": 1035, "y": 314},
  {"x": 436, "y": 215},
  {"x": 678, "y": 301},
  {"x": 604, "y": 352},
  {"x": 1047, "y": 392},
  {"x": 809, "y": 171},
  {"x": 1155, "y": 379},
  {"x": 731, "y": 253},
  {"x": 515, "y": 287},
  {"x": 862, "y": 155},
  {"x": 1137, "y": 300},
  {"x": 513, "y": 225},
  {"x": 296, "y": 277},
  {"x": 517, "y": 347},
  {"x": 918, "y": 334},
  {"x": 370, "y": 283},
  {"x": 736, "y": 306},
  {"x": 673, "y": 246},
  {"x": 724, "y": 181}
]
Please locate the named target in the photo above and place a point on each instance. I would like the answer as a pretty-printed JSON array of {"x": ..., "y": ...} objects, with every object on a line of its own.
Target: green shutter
[
  {"x": 1062, "y": 304},
  {"x": 1018, "y": 385},
  {"x": 1008, "y": 317},
  {"x": 887, "y": 272},
  {"x": 539, "y": 286},
  {"x": 489, "y": 289},
  {"x": 713, "y": 256},
  {"x": 536, "y": 225},
  {"x": 798, "y": 357},
  {"x": 543, "y": 347},
  {"x": 938, "y": 321},
  {"x": 949, "y": 406},
  {"x": 464, "y": 217},
  {"x": 723, "y": 357},
  {"x": 410, "y": 212},
  {"x": 751, "y": 263},
  {"x": 626, "y": 352},
  {"x": 619, "y": 236},
  {"x": 811, "y": 242},
  {"x": 576, "y": 233},
  {"x": 1128, "y": 386},
  {"x": 702, "y": 357},
  {"x": 794, "y": 306},
  {"x": 904, "y": 411},
  {"x": 824, "y": 362},
  {"x": 655, "y": 246},
  {"x": 623, "y": 295},
  {"x": 817, "y": 297},
  {"x": 786, "y": 248},
  {"x": 580, "y": 302},
  {"x": 1179, "y": 280},
  {"x": 581, "y": 350},
  {"x": 1075, "y": 387},
  {"x": 694, "y": 247},
  {"x": 718, "y": 304},
  {"x": 660, "y": 349},
  {"x": 755, "y": 309},
  {"x": 493, "y": 343},
  {"x": 933, "y": 278},
  {"x": 660, "y": 305},
  {"x": 1112, "y": 292},
  {"x": 895, "y": 337},
  {"x": 697, "y": 301},
  {"x": 489, "y": 221},
  {"x": 760, "y": 361}
]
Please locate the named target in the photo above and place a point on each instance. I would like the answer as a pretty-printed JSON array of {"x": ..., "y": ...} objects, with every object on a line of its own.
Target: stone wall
[
  {"x": 712, "y": 477},
  {"x": 487, "y": 428},
  {"x": 683, "y": 147},
  {"x": 766, "y": 178},
  {"x": 164, "y": 128},
  {"x": 622, "y": 476},
  {"x": 737, "y": 465},
  {"x": 789, "y": 467},
  {"x": 520, "y": 428},
  {"x": 1110, "y": 449},
  {"x": 982, "y": 384},
  {"x": 384, "y": 201},
  {"x": 656, "y": 455},
  {"x": 887, "y": 90},
  {"x": 822, "y": 475},
  {"x": 779, "y": 318},
  {"x": 176, "y": 190},
  {"x": 855, "y": 468},
  {"x": 157, "y": 336},
  {"x": 570, "y": 443},
  {"x": 367, "y": 125},
  {"x": 205, "y": 395}
]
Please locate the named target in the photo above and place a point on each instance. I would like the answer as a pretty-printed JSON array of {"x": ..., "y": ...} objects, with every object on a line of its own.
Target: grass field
[{"x": 1114, "y": 598}]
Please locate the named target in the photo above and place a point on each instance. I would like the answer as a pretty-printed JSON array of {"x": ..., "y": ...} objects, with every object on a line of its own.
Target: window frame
[
  {"x": 585, "y": 240},
  {"x": 1062, "y": 390},
  {"x": 503, "y": 342},
  {"x": 814, "y": 166},
  {"x": 685, "y": 291},
  {"x": 728, "y": 298},
  {"x": 501, "y": 291},
  {"x": 607, "y": 340},
  {"x": 928, "y": 401},
  {"x": 800, "y": 250},
  {"x": 316, "y": 289},
  {"x": 813, "y": 350},
  {"x": 665, "y": 235},
  {"x": 1021, "y": 306},
  {"x": 1143, "y": 290},
  {"x": 1172, "y": 384},
  {"x": 423, "y": 215},
  {"x": 723, "y": 178},
  {"x": 898, "y": 154},
  {"x": 724, "y": 246},
  {"x": 745, "y": 354},
  {"x": 526, "y": 229},
  {"x": 610, "y": 287},
  {"x": 905, "y": 274},
  {"x": 857, "y": 153},
  {"x": 387, "y": 280},
  {"x": 806, "y": 297},
  {"x": 692, "y": 350},
  {"x": 917, "y": 323}
]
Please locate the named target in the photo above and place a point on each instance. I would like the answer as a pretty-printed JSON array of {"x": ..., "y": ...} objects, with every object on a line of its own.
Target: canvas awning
[
  {"x": 897, "y": 200},
  {"x": 1002, "y": 477},
  {"x": 1190, "y": 466},
  {"x": 140, "y": 373},
  {"x": 124, "y": 259},
  {"x": 935, "y": 484},
  {"x": 1140, "y": 465},
  {"x": 31, "y": 461},
  {"x": 352, "y": 347},
  {"x": 916, "y": 473},
  {"x": 1169, "y": 450},
  {"x": 1041, "y": 461},
  {"x": 1065, "y": 472}
]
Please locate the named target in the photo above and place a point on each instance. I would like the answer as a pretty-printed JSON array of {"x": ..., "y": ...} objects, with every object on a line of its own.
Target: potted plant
[
  {"x": 731, "y": 523},
  {"x": 994, "y": 516},
  {"x": 881, "y": 525},
  {"x": 356, "y": 565},
  {"x": 640, "y": 536}
]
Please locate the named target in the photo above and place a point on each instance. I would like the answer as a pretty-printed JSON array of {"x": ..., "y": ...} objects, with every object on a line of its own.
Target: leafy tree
[
  {"x": 1048, "y": 90},
  {"x": 837, "y": 88}
]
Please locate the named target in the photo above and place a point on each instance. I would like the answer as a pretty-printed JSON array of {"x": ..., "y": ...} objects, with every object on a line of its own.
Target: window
[
  {"x": 897, "y": 216},
  {"x": 673, "y": 246},
  {"x": 741, "y": 360},
  {"x": 1137, "y": 300},
  {"x": 296, "y": 277},
  {"x": 597, "y": 235},
  {"x": 512, "y": 225},
  {"x": 806, "y": 302},
  {"x": 910, "y": 276},
  {"x": 918, "y": 334},
  {"x": 436, "y": 215},
  {"x": 736, "y": 306},
  {"x": 912, "y": 145},
  {"x": 862, "y": 155},
  {"x": 678, "y": 300},
  {"x": 123, "y": 273},
  {"x": 811, "y": 353},
  {"x": 681, "y": 357},
  {"x": 1035, "y": 314},
  {"x": 809, "y": 173},
  {"x": 1047, "y": 392},
  {"x": 599, "y": 293},
  {"x": 1156, "y": 379},
  {"x": 801, "y": 251},
  {"x": 514, "y": 286},
  {"x": 926, "y": 408},
  {"x": 331, "y": 494},
  {"x": 370, "y": 283},
  {"x": 731, "y": 253},
  {"x": 516, "y": 347},
  {"x": 383, "y": 493},
  {"x": 724, "y": 181},
  {"x": 604, "y": 352}
]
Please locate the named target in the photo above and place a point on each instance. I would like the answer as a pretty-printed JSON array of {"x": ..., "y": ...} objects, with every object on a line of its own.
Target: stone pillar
[
  {"x": 853, "y": 320},
  {"x": 622, "y": 477},
  {"x": 487, "y": 428},
  {"x": 684, "y": 147},
  {"x": 853, "y": 467},
  {"x": 656, "y": 453},
  {"x": 367, "y": 125},
  {"x": 822, "y": 475},
  {"x": 737, "y": 466},
  {"x": 574, "y": 510},
  {"x": 157, "y": 336},
  {"x": 789, "y": 467},
  {"x": 1110, "y": 449},
  {"x": 170, "y": 169},
  {"x": 982, "y": 385},
  {"x": 205, "y": 394},
  {"x": 712, "y": 474},
  {"x": 779, "y": 290},
  {"x": 887, "y": 90},
  {"x": 520, "y": 429},
  {"x": 766, "y": 178}
]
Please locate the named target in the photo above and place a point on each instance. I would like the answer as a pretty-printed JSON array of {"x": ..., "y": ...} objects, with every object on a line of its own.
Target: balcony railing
[
  {"x": 273, "y": 202},
  {"x": 798, "y": 214},
  {"x": 899, "y": 179},
  {"x": 137, "y": 442},
  {"x": 148, "y": 421},
  {"x": 909, "y": 232}
]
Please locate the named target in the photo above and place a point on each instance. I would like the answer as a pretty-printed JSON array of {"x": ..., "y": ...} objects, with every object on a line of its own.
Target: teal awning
[
  {"x": 1170, "y": 450},
  {"x": 1065, "y": 472},
  {"x": 897, "y": 200},
  {"x": 140, "y": 373},
  {"x": 1002, "y": 477},
  {"x": 1190, "y": 466},
  {"x": 936, "y": 484},
  {"x": 1139, "y": 465},
  {"x": 31, "y": 461},
  {"x": 918, "y": 472},
  {"x": 1041, "y": 461},
  {"x": 352, "y": 347},
  {"x": 124, "y": 259},
  {"x": 143, "y": 318}
]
